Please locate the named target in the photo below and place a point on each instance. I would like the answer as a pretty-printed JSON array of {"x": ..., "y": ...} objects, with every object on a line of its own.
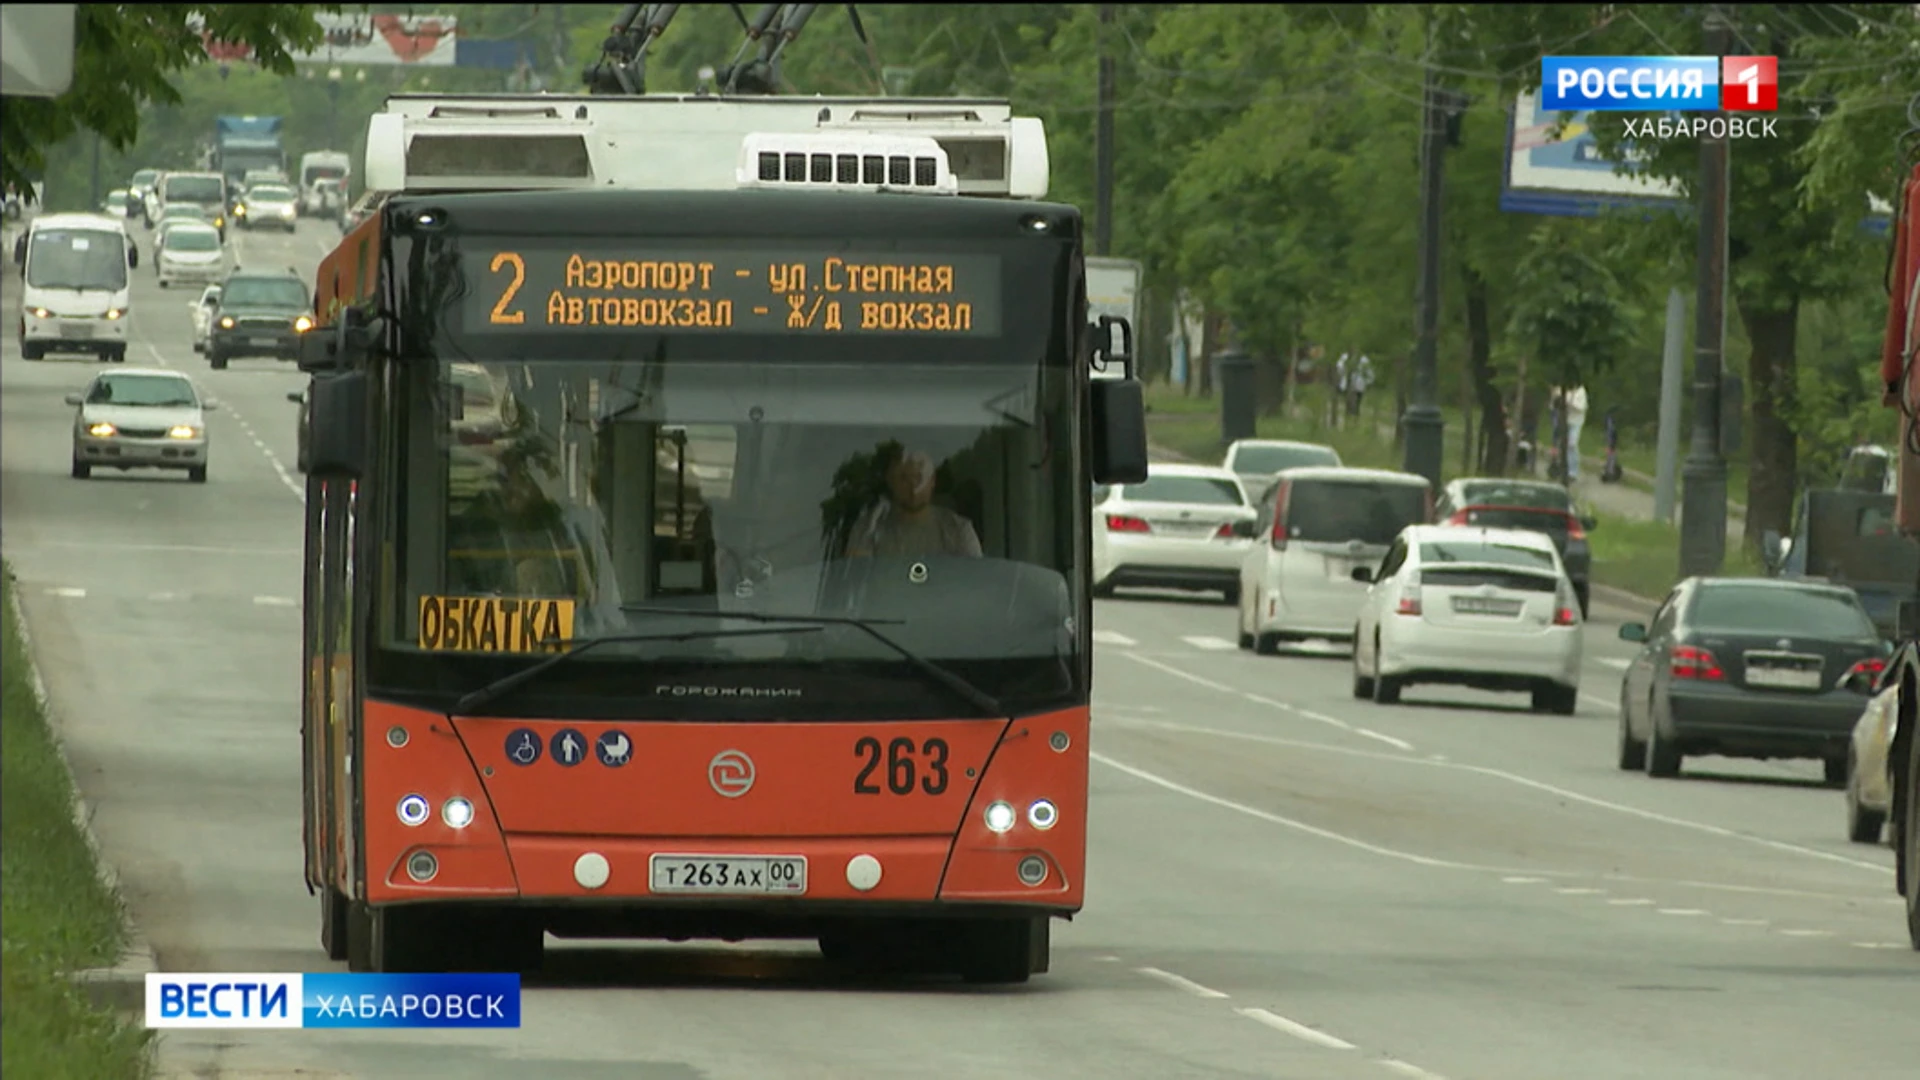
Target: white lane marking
[
  {"x": 1407, "y": 1068},
  {"x": 163, "y": 596},
  {"x": 1502, "y": 774},
  {"x": 1615, "y": 662},
  {"x": 1881, "y": 945},
  {"x": 68, "y": 593},
  {"x": 1681, "y": 911},
  {"x": 1388, "y": 739},
  {"x": 1522, "y": 880},
  {"x": 1637, "y": 901},
  {"x": 1808, "y": 933},
  {"x": 1107, "y": 959},
  {"x": 1600, "y": 703},
  {"x": 1580, "y": 891},
  {"x": 1295, "y": 1028},
  {"x": 1177, "y": 673},
  {"x": 1744, "y": 922},
  {"x": 1181, "y": 982},
  {"x": 299, "y": 490},
  {"x": 1325, "y": 719},
  {"x": 1202, "y": 641},
  {"x": 276, "y": 601},
  {"x": 1304, "y": 714},
  {"x": 1109, "y": 637},
  {"x": 1280, "y": 819}
]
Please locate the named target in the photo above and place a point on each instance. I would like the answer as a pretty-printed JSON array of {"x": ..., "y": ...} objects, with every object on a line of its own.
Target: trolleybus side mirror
[
  {"x": 337, "y": 426},
  {"x": 1118, "y": 407}
]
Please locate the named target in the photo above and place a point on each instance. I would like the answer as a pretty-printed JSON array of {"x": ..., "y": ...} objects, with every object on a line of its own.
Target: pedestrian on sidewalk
[
  {"x": 1573, "y": 411},
  {"x": 1359, "y": 381},
  {"x": 1341, "y": 380}
]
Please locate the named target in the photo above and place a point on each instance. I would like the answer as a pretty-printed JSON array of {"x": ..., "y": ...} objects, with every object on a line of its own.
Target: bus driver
[{"x": 907, "y": 522}]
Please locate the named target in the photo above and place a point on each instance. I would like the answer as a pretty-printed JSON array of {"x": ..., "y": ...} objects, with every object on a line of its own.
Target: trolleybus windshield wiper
[
  {"x": 506, "y": 684},
  {"x": 975, "y": 696}
]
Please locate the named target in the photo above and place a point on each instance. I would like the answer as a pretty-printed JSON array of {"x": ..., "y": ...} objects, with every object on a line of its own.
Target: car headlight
[
  {"x": 226, "y": 322},
  {"x": 42, "y": 313},
  {"x": 114, "y": 312},
  {"x": 101, "y": 430},
  {"x": 286, "y": 211},
  {"x": 239, "y": 211},
  {"x": 302, "y": 324},
  {"x": 219, "y": 223},
  {"x": 183, "y": 431}
]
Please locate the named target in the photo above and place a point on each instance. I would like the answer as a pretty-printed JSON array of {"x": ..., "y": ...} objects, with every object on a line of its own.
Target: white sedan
[
  {"x": 1491, "y": 609},
  {"x": 1186, "y": 527}
]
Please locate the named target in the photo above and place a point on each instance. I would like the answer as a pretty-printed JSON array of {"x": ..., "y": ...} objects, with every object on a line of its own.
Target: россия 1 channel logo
[{"x": 1746, "y": 84}]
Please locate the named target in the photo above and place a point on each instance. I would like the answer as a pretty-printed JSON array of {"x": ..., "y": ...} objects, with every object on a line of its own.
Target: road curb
[{"x": 123, "y": 986}]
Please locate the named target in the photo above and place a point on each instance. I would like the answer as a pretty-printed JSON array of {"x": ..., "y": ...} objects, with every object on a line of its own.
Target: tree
[
  {"x": 1790, "y": 241},
  {"x": 124, "y": 56}
]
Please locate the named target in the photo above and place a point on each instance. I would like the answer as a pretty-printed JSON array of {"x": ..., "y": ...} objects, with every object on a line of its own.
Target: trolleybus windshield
[{"x": 542, "y": 503}]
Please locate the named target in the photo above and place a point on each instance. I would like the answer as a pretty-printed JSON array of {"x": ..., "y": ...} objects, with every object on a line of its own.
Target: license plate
[
  {"x": 76, "y": 330},
  {"x": 729, "y": 875},
  {"x": 1788, "y": 678},
  {"x": 262, "y": 342},
  {"x": 1479, "y": 605}
]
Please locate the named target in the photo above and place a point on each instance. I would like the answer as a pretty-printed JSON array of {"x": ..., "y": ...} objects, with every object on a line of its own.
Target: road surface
[{"x": 1285, "y": 882}]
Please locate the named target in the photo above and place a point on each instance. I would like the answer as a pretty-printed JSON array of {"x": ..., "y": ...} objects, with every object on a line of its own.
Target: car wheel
[
  {"x": 163, "y": 283},
  {"x": 1836, "y": 771},
  {"x": 197, "y": 474},
  {"x": 218, "y": 361},
  {"x": 1362, "y": 684},
  {"x": 1863, "y": 825},
  {"x": 117, "y": 354},
  {"x": 82, "y": 470},
  {"x": 1232, "y": 594},
  {"x": 1267, "y": 644},
  {"x": 32, "y": 350},
  {"x": 1554, "y": 698},
  {"x": 1633, "y": 752},
  {"x": 1663, "y": 758},
  {"x": 1386, "y": 688}
]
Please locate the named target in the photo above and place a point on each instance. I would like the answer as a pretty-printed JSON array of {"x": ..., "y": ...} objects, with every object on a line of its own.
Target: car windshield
[
  {"x": 77, "y": 259},
  {"x": 265, "y": 292},
  {"x": 1534, "y": 496},
  {"x": 329, "y": 172},
  {"x": 1343, "y": 511},
  {"x": 144, "y": 177},
  {"x": 933, "y": 500},
  {"x": 1272, "y": 459},
  {"x": 1771, "y": 609},
  {"x": 200, "y": 189},
  {"x": 187, "y": 238},
  {"x": 156, "y": 390},
  {"x": 1197, "y": 490},
  {"x": 270, "y": 193},
  {"x": 1485, "y": 552}
]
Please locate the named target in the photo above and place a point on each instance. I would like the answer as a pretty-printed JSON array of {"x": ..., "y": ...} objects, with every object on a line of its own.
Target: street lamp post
[{"x": 333, "y": 106}]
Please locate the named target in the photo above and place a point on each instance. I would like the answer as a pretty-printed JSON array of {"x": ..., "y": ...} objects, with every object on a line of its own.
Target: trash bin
[{"x": 1233, "y": 377}]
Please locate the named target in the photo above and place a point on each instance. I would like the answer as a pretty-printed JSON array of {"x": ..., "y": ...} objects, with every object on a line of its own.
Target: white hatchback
[
  {"x": 1491, "y": 609},
  {"x": 1186, "y": 527},
  {"x": 1316, "y": 525}
]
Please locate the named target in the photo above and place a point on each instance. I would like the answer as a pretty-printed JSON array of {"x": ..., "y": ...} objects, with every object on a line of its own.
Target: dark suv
[{"x": 261, "y": 313}]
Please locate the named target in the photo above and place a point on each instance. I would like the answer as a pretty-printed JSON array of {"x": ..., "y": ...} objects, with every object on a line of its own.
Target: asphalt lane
[{"x": 1287, "y": 882}]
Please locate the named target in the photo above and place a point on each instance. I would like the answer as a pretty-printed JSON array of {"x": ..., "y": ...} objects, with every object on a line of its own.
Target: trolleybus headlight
[
  {"x": 1042, "y": 814},
  {"x": 414, "y": 810},
  {"x": 421, "y": 866},
  {"x": 457, "y": 812},
  {"x": 1001, "y": 816}
]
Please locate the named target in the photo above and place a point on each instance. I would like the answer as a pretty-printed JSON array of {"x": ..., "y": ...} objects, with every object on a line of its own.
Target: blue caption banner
[
  {"x": 1630, "y": 83},
  {"x": 282, "y": 1000}
]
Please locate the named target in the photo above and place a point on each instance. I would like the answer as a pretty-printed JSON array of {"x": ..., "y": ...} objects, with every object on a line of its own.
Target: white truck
[
  {"x": 1113, "y": 288},
  {"x": 318, "y": 166}
]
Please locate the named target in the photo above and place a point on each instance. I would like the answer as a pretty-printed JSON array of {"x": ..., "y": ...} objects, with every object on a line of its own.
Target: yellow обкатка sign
[{"x": 509, "y": 624}]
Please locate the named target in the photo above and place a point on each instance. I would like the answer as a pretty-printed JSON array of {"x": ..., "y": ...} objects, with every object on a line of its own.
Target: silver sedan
[{"x": 140, "y": 418}]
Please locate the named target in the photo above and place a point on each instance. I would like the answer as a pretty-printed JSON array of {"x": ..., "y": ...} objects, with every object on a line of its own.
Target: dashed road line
[
  {"x": 1182, "y": 983},
  {"x": 1633, "y": 901},
  {"x": 276, "y": 601},
  {"x": 1109, "y": 637},
  {"x": 1211, "y": 644},
  {"x": 1580, "y": 890},
  {"x": 67, "y": 593},
  {"x": 1685, "y": 911},
  {"x": 1615, "y": 662},
  {"x": 1519, "y": 880},
  {"x": 1295, "y": 1028},
  {"x": 1807, "y": 933},
  {"x": 1881, "y": 945},
  {"x": 1409, "y": 1069},
  {"x": 1741, "y": 922},
  {"x": 1400, "y": 744}
]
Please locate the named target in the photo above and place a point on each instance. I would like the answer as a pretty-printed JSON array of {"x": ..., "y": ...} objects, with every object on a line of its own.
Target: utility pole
[
  {"x": 1103, "y": 141},
  {"x": 94, "y": 195},
  {"x": 1703, "y": 502},
  {"x": 1422, "y": 423}
]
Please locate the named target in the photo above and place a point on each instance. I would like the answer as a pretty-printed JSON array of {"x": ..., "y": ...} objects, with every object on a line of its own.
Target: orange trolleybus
[{"x": 697, "y": 541}]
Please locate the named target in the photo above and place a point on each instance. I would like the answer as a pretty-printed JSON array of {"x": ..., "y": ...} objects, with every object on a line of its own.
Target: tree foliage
[{"x": 124, "y": 59}]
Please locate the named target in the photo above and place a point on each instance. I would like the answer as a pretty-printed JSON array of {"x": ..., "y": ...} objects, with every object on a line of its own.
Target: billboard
[
  {"x": 1562, "y": 173},
  {"x": 382, "y": 40}
]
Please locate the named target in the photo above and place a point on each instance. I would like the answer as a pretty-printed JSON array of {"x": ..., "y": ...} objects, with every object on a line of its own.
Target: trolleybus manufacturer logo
[{"x": 731, "y": 773}]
